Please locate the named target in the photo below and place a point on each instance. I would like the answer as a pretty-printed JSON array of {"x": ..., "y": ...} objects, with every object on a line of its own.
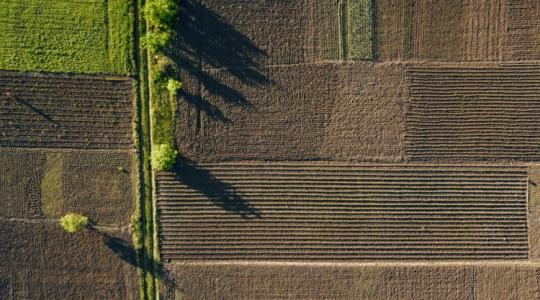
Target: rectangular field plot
[
  {"x": 355, "y": 112},
  {"x": 65, "y": 112},
  {"x": 201, "y": 280},
  {"x": 337, "y": 212},
  {"x": 523, "y": 30},
  {"x": 451, "y": 30},
  {"x": 90, "y": 36},
  {"x": 487, "y": 113}
]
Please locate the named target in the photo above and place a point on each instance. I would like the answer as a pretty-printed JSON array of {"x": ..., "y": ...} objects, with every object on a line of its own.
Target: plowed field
[
  {"x": 355, "y": 281},
  {"x": 65, "y": 111},
  {"x": 474, "y": 113},
  {"x": 290, "y": 211},
  {"x": 354, "y": 112}
]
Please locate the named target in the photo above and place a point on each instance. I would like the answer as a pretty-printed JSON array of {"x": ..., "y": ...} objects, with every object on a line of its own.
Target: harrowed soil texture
[
  {"x": 66, "y": 146},
  {"x": 307, "y": 172}
]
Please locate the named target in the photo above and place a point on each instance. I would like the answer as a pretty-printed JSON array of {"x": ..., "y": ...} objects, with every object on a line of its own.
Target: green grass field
[{"x": 84, "y": 36}]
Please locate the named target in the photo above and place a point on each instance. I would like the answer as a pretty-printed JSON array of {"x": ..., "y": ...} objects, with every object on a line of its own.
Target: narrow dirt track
[{"x": 340, "y": 212}]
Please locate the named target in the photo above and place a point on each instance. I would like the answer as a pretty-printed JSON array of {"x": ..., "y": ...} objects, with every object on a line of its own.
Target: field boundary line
[{"x": 441, "y": 263}]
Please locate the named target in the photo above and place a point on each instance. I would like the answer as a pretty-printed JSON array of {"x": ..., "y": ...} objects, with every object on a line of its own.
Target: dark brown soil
[
  {"x": 458, "y": 30},
  {"x": 481, "y": 112},
  {"x": 41, "y": 261},
  {"x": 98, "y": 184},
  {"x": 65, "y": 111},
  {"x": 352, "y": 111},
  {"x": 465, "y": 282},
  {"x": 342, "y": 212}
]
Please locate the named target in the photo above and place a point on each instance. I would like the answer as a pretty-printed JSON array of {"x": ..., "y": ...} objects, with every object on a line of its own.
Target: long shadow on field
[
  {"x": 11, "y": 95},
  {"x": 126, "y": 252},
  {"x": 205, "y": 41},
  {"x": 221, "y": 193}
]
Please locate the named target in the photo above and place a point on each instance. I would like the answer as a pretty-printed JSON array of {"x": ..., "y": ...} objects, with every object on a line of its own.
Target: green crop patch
[
  {"x": 359, "y": 29},
  {"x": 86, "y": 36}
]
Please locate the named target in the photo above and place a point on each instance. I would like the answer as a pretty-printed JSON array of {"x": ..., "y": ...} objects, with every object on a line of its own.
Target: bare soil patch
[
  {"x": 474, "y": 113},
  {"x": 42, "y": 261},
  {"x": 241, "y": 281},
  {"x": 336, "y": 212},
  {"x": 56, "y": 111},
  {"x": 331, "y": 111},
  {"x": 99, "y": 184}
]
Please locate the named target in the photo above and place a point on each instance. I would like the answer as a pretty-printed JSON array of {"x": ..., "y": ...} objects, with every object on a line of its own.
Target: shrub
[
  {"x": 161, "y": 13},
  {"x": 156, "y": 40},
  {"x": 161, "y": 68},
  {"x": 72, "y": 222},
  {"x": 173, "y": 86},
  {"x": 163, "y": 157}
]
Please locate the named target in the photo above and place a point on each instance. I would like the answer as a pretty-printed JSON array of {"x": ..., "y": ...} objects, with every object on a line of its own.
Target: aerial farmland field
[{"x": 270, "y": 149}]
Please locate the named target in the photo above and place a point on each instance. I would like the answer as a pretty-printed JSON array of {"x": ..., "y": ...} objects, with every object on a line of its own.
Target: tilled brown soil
[
  {"x": 89, "y": 182},
  {"x": 42, "y": 261},
  {"x": 329, "y": 211},
  {"x": 264, "y": 33},
  {"x": 337, "y": 111},
  {"x": 458, "y": 30},
  {"x": 523, "y": 30},
  {"x": 386, "y": 281},
  {"x": 483, "y": 112},
  {"x": 58, "y": 111}
]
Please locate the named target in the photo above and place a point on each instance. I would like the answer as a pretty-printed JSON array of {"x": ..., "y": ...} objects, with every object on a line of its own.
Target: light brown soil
[
  {"x": 354, "y": 112},
  {"x": 481, "y": 112},
  {"x": 394, "y": 24},
  {"x": 458, "y": 30},
  {"x": 523, "y": 31},
  {"x": 418, "y": 282},
  {"x": 91, "y": 183},
  {"x": 41, "y": 261},
  {"x": 329, "y": 211},
  {"x": 38, "y": 110},
  {"x": 534, "y": 212}
]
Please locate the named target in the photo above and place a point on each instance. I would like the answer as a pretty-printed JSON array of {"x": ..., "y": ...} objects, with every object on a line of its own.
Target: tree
[
  {"x": 163, "y": 157},
  {"x": 73, "y": 222}
]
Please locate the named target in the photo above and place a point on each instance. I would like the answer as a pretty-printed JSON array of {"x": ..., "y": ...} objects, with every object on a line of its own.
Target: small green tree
[
  {"x": 173, "y": 86},
  {"x": 161, "y": 13},
  {"x": 156, "y": 40},
  {"x": 163, "y": 157},
  {"x": 73, "y": 222}
]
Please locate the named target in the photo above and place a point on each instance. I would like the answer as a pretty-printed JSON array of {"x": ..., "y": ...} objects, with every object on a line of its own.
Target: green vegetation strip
[
  {"x": 359, "y": 23},
  {"x": 91, "y": 36},
  {"x": 142, "y": 218}
]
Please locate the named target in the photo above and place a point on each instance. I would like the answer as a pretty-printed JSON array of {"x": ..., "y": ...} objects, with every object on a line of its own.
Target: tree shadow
[
  {"x": 207, "y": 42},
  {"x": 222, "y": 194},
  {"x": 11, "y": 95},
  {"x": 125, "y": 251}
]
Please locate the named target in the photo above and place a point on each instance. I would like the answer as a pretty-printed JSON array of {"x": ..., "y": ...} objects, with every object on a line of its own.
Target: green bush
[
  {"x": 73, "y": 222},
  {"x": 161, "y": 13},
  {"x": 163, "y": 157},
  {"x": 173, "y": 86},
  {"x": 156, "y": 40},
  {"x": 162, "y": 66}
]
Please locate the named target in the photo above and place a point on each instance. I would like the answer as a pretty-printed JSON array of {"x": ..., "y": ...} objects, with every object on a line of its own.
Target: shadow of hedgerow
[
  {"x": 125, "y": 251},
  {"x": 206, "y": 40}
]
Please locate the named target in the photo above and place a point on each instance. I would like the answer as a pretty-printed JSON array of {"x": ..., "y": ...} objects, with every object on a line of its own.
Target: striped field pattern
[
  {"x": 65, "y": 112},
  {"x": 342, "y": 212},
  {"x": 485, "y": 113}
]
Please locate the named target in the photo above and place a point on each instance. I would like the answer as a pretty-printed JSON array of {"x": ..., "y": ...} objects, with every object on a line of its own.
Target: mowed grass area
[{"x": 84, "y": 36}]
